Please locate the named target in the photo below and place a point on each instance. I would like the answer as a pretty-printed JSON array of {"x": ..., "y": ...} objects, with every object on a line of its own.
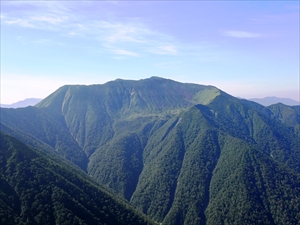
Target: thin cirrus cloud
[
  {"x": 125, "y": 38},
  {"x": 121, "y": 32},
  {"x": 240, "y": 34},
  {"x": 35, "y": 15},
  {"x": 52, "y": 19},
  {"x": 165, "y": 50},
  {"x": 46, "y": 22},
  {"x": 124, "y": 52},
  {"x": 118, "y": 35}
]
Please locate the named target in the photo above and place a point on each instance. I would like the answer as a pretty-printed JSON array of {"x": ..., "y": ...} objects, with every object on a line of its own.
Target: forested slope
[
  {"x": 181, "y": 153},
  {"x": 36, "y": 189}
]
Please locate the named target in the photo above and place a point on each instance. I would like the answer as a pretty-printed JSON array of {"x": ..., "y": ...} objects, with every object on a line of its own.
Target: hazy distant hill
[
  {"x": 23, "y": 103},
  {"x": 267, "y": 101},
  {"x": 185, "y": 154}
]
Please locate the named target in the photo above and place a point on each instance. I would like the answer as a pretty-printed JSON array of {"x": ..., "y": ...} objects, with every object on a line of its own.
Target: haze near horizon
[{"x": 248, "y": 49}]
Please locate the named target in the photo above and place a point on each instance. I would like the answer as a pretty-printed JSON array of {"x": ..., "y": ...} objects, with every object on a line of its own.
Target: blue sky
[{"x": 246, "y": 48}]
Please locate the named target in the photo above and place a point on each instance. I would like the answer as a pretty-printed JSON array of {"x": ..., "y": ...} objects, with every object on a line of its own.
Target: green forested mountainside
[
  {"x": 43, "y": 129},
  {"x": 181, "y": 153},
  {"x": 288, "y": 115},
  {"x": 176, "y": 182},
  {"x": 253, "y": 189},
  {"x": 37, "y": 190}
]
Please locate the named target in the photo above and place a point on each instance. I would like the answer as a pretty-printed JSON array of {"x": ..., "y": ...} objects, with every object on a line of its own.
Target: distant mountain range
[
  {"x": 181, "y": 153},
  {"x": 267, "y": 101},
  {"x": 24, "y": 103}
]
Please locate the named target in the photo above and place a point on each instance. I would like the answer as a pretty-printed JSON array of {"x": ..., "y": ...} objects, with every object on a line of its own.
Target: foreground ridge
[{"x": 36, "y": 189}]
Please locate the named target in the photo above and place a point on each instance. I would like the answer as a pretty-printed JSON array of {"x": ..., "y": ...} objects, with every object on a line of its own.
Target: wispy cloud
[
  {"x": 124, "y": 32},
  {"x": 50, "y": 16},
  {"x": 48, "y": 22},
  {"x": 240, "y": 34},
  {"x": 114, "y": 35},
  {"x": 124, "y": 52},
  {"x": 165, "y": 50},
  {"x": 126, "y": 38},
  {"x": 52, "y": 19}
]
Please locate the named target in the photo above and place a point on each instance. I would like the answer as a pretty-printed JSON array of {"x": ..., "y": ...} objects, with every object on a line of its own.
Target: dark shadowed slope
[
  {"x": 38, "y": 190},
  {"x": 44, "y": 130}
]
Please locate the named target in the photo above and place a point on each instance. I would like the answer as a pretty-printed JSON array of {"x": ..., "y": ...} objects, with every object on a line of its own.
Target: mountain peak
[{"x": 150, "y": 95}]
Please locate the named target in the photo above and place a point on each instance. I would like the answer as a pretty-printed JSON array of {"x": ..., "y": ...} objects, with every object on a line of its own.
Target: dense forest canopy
[{"x": 181, "y": 153}]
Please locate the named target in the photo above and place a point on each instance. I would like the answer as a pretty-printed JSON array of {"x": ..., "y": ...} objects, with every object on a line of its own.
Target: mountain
[
  {"x": 267, "y": 101},
  {"x": 181, "y": 153},
  {"x": 39, "y": 189},
  {"x": 24, "y": 103}
]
